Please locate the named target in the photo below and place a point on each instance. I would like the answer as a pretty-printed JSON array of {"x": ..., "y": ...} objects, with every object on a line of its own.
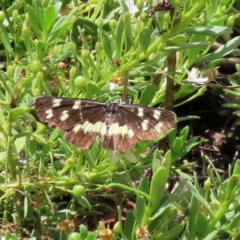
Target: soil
[{"x": 217, "y": 130}]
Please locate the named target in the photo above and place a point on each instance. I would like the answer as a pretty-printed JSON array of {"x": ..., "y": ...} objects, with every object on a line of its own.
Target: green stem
[{"x": 217, "y": 217}]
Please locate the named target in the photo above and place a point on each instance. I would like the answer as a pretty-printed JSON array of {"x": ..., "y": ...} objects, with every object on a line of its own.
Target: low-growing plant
[{"x": 49, "y": 189}]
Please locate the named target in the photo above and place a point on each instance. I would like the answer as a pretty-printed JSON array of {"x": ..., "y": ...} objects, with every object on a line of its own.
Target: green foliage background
[{"x": 79, "y": 49}]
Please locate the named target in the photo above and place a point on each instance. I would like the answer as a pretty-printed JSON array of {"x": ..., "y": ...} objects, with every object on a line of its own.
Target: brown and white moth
[{"x": 118, "y": 126}]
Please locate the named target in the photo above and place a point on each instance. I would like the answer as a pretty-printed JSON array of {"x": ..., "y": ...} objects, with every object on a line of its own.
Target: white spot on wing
[
  {"x": 99, "y": 127},
  {"x": 87, "y": 127},
  {"x": 76, "y": 105},
  {"x": 156, "y": 114},
  {"x": 64, "y": 116},
  {"x": 77, "y": 128},
  {"x": 49, "y": 113},
  {"x": 140, "y": 112},
  {"x": 114, "y": 129},
  {"x": 159, "y": 126},
  {"x": 145, "y": 125},
  {"x": 130, "y": 133},
  {"x": 122, "y": 130},
  {"x": 56, "y": 102}
]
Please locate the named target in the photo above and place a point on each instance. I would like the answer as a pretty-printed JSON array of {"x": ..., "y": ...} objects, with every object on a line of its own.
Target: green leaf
[
  {"x": 231, "y": 187},
  {"x": 145, "y": 39},
  {"x": 184, "y": 134},
  {"x": 129, "y": 41},
  {"x": 55, "y": 34},
  {"x": 212, "y": 235},
  {"x": 83, "y": 231},
  {"x": 193, "y": 53},
  {"x": 74, "y": 236},
  {"x": 18, "y": 111},
  {"x": 147, "y": 95},
  {"x": 179, "y": 39},
  {"x": 198, "y": 196},
  {"x": 64, "y": 146},
  {"x": 157, "y": 188},
  {"x": 84, "y": 203},
  {"x": 177, "y": 144},
  {"x": 208, "y": 30},
  {"x": 139, "y": 210},
  {"x": 173, "y": 233},
  {"x": 144, "y": 185},
  {"x": 41, "y": 46},
  {"x": 129, "y": 225},
  {"x": 91, "y": 88},
  {"x": 168, "y": 161},
  {"x": 180, "y": 149},
  {"x": 90, "y": 27},
  {"x": 92, "y": 235},
  {"x": 222, "y": 51},
  {"x": 3, "y": 156},
  {"x": 38, "y": 138},
  {"x": 33, "y": 20},
  {"x": 54, "y": 135},
  {"x": 59, "y": 5},
  {"x": 193, "y": 209},
  {"x": 11, "y": 236},
  {"x": 118, "y": 38},
  {"x": 120, "y": 178},
  {"x": 171, "y": 136},
  {"x": 154, "y": 158},
  {"x": 192, "y": 142},
  {"x": 5, "y": 40},
  {"x": 236, "y": 169},
  {"x": 170, "y": 199},
  {"x": 224, "y": 2},
  {"x": 49, "y": 18},
  {"x": 185, "y": 46},
  {"x": 39, "y": 13},
  {"x": 107, "y": 46},
  {"x": 20, "y": 49},
  {"x": 235, "y": 222},
  {"x": 19, "y": 143},
  {"x": 201, "y": 224}
]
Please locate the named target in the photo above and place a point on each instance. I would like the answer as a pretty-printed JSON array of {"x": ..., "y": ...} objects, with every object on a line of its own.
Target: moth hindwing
[{"x": 118, "y": 126}]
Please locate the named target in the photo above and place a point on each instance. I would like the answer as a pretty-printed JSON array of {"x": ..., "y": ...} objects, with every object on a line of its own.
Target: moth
[{"x": 118, "y": 126}]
